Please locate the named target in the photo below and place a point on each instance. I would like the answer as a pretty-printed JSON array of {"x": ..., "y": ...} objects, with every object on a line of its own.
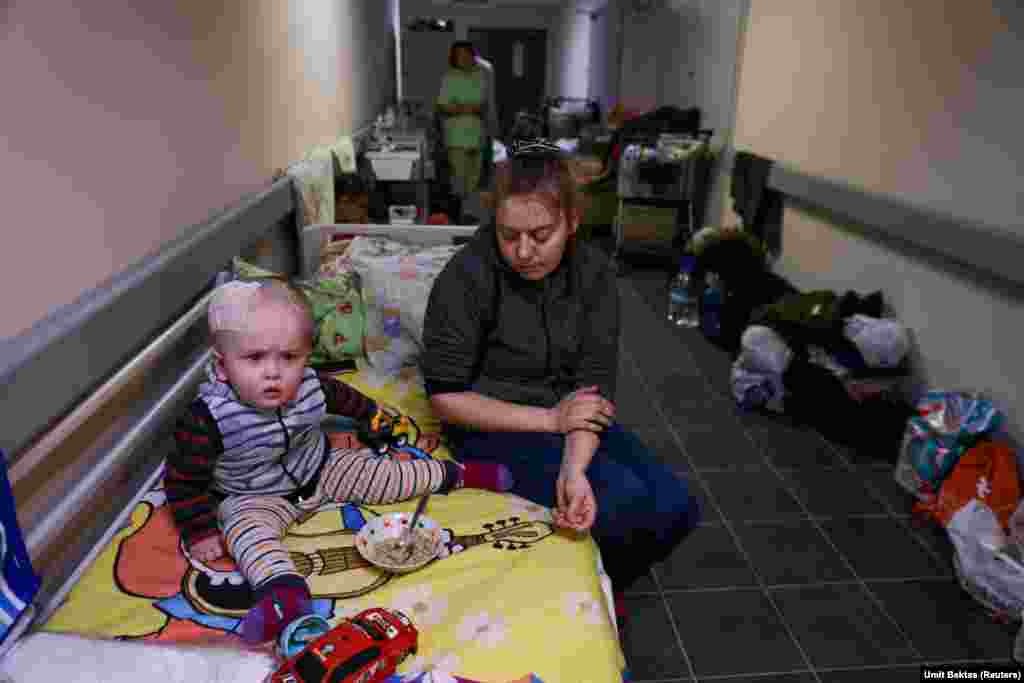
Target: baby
[{"x": 252, "y": 458}]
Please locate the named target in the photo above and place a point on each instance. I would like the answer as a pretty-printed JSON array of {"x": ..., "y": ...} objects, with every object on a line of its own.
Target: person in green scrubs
[{"x": 462, "y": 103}]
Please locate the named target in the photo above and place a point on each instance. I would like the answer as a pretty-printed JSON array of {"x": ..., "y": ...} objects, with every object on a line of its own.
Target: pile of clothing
[
  {"x": 832, "y": 362},
  {"x": 827, "y": 360}
]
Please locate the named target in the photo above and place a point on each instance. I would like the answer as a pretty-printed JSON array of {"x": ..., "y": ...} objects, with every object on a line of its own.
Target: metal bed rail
[{"x": 91, "y": 390}]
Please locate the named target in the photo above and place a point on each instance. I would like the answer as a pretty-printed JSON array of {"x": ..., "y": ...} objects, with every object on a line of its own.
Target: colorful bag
[
  {"x": 947, "y": 424},
  {"x": 19, "y": 582},
  {"x": 339, "y": 316},
  {"x": 986, "y": 472}
]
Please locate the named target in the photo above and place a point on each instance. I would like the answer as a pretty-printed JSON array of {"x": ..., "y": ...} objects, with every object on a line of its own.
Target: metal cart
[{"x": 656, "y": 180}]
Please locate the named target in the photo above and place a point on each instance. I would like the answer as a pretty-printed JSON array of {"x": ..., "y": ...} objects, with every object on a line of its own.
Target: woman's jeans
[{"x": 644, "y": 508}]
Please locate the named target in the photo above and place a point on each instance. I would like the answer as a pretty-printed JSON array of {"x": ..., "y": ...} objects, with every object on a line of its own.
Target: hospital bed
[{"x": 90, "y": 396}]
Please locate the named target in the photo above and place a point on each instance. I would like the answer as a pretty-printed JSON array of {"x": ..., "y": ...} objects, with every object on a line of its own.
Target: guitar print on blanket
[
  {"x": 333, "y": 566},
  {"x": 192, "y": 600}
]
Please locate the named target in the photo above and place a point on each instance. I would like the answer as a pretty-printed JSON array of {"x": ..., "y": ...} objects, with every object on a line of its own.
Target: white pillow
[{"x": 396, "y": 282}]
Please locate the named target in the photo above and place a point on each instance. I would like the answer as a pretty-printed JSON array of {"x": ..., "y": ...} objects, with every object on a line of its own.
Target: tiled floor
[{"x": 806, "y": 566}]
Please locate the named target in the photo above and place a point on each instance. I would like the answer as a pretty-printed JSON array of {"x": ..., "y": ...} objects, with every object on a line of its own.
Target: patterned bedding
[{"x": 510, "y": 597}]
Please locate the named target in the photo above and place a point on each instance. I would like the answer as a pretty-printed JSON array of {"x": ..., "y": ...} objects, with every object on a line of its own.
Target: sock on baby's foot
[
  {"x": 279, "y": 602},
  {"x": 490, "y": 476}
]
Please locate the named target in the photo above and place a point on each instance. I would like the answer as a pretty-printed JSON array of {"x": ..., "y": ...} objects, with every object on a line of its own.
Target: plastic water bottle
[
  {"x": 682, "y": 303},
  {"x": 711, "y": 319}
]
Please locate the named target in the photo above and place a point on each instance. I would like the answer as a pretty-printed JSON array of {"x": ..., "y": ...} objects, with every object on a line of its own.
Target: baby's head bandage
[{"x": 230, "y": 306}]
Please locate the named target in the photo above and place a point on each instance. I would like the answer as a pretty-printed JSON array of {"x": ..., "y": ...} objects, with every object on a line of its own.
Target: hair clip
[{"x": 534, "y": 147}]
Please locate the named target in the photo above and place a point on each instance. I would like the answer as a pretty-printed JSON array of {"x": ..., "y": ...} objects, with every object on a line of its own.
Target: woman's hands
[
  {"x": 582, "y": 409},
  {"x": 575, "y": 503},
  {"x": 576, "y": 506}
]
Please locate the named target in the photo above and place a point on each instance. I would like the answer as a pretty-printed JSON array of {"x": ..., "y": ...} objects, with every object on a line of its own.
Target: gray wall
[
  {"x": 547, "y": 17},
  {"x": 919, "y": 101},
  {"x": 129, "y": 126},
  {"x": 602, "y": 78},
  {"x": 569, "y": 58},
  {"x": 685, "y": 55}
]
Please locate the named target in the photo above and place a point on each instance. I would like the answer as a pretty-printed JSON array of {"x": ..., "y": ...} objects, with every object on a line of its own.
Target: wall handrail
[
  {"x": 51, "y": 367},
  {"x": 982, "y": 247},
  {"x": 992, "y": 251}
]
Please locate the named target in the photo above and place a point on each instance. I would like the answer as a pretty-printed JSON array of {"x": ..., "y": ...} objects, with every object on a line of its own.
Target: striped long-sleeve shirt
[{"x": 225, "y": 447}]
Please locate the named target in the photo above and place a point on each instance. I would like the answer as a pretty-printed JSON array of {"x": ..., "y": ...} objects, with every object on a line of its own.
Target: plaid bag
[{"x": 947, "y": 424}]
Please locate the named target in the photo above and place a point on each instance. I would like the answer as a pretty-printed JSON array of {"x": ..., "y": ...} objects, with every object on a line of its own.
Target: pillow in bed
[
  {"x": 338, "y": 312},
  {"x": 396, "y": 280}
]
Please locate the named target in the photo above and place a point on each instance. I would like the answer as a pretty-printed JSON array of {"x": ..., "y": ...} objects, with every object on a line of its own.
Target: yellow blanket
[{"x": 510, "y": 595}]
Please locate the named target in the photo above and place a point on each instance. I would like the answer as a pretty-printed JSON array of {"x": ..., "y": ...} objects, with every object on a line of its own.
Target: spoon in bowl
[{"x": 407, "y": 536}]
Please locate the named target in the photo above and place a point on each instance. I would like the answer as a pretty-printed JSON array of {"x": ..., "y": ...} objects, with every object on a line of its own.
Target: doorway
[{"x": 520, "y": 60}]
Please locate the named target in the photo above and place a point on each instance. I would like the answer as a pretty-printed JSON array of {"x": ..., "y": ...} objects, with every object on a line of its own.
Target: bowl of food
[{"x": 380, "y": 542}]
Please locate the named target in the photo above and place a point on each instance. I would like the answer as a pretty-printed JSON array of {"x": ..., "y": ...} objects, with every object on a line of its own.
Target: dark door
[{"x": 520, "y": 58}]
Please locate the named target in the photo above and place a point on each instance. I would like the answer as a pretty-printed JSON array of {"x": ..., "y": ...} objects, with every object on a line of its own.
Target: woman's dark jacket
[{"x": 490, "y": 331}]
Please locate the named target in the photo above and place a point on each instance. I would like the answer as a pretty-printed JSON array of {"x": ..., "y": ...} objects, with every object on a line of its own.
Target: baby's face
[{"x": 265, "y": 363}]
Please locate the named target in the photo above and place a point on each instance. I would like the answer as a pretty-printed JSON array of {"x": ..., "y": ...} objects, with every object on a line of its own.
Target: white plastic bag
[
  {"x": 757, "y": 371},
  {"x": 985, "y": 563},
  {"x": 1017, "y": 525},
  {"x": 763, "y": 350},
  {"x": 882, "y": 342}
]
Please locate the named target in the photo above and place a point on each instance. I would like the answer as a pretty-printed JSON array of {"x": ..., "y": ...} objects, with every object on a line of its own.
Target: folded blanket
[{"x": 314, "y": 181}]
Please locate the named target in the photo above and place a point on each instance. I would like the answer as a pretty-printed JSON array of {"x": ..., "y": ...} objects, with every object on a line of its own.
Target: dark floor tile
[
  {"x": 882, "y": 485},
  {"x": 654, "y": 346},
  {"x": 733, "y": 632},
  {"x": 714, "y": 364},
  {"x": 751, "y": 496},
  {"x": 793, "y": 552},
  {"x": 645, "y": 584},
  {"x": 839, "y": 626},
  {"x": 678, "y": 391},
  {"x": 719, "y": 445},
  {"x": 865, "y": 463},
  {"x": 650, "y": 285},
  {"x": 643, "y": 328},
  {"x": 888, "y": 674},
  {"x": 833, "y": 493},
  {"x": 943, "y": 621},
  {"x": 709, "y": 514},
  {"x": 650, "y": 643},
  {"x": 664, "y": 446},
  {"x": 880, "y": 548},
  {"x": 935, "y": 539},
  {"x": 635, "y": 409},
  {"x": 793, "y": 447},
  {"x": 870, "y": 459},
  {"x": 720, "y": 386},
  {"x": 709, "y": 558}
]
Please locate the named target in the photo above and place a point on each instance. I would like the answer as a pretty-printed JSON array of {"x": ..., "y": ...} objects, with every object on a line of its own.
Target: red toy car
[{"x": 364, "y": 649}]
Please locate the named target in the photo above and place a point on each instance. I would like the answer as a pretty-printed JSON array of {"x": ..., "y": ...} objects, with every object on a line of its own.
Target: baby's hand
[{"x": 207, "y": 550}]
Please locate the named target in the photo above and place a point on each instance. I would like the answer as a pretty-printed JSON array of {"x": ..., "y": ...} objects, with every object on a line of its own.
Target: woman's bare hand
[
  {"x": 582, "y": 409},
  {"x": 576, "y": 507}
]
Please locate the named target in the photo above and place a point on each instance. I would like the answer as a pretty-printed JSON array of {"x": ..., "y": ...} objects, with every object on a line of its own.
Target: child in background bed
[{"x": 252, "y": 458}]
